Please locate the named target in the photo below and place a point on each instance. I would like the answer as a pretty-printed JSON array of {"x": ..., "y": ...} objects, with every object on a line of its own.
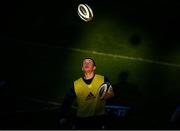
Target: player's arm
[{"x": 66, "y": 105}]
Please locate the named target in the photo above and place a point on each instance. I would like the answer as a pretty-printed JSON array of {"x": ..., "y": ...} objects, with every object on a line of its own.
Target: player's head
[{"x": 88, "y": 65}]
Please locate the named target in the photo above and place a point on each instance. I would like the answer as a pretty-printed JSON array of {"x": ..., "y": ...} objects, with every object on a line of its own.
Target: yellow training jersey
[{"x": 89, "y": 103}]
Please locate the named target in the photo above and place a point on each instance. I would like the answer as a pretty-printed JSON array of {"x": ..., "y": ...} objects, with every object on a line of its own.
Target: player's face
[{"x": 88, "y": 65}]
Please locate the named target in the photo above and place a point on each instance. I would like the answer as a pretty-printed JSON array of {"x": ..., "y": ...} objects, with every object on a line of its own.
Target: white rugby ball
[
  {"x": 85, "y": 12},
  {"x": 105, "y": 87}
]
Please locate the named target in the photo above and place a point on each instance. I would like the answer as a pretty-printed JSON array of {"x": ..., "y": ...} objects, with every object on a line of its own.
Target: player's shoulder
[
  {"x": 78, "y": 79},
  {"x": 106, "y": 79},
  {"x": 98, "y": 75}
]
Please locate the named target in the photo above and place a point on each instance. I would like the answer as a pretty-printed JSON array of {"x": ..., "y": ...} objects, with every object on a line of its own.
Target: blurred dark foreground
[{"x": 31, "y": 115}]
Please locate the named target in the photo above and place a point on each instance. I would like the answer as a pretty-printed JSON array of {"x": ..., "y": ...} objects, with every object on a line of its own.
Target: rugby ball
[
  {"x": 105, "y": 87},
  {"x": 85, "y": 12}
]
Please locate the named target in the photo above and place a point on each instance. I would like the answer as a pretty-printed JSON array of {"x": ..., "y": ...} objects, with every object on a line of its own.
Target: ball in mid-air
[{"x": 85, "y": 12}]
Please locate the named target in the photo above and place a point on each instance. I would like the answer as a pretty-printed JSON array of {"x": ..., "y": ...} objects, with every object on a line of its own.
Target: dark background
[{"x": 33, "y": 67}]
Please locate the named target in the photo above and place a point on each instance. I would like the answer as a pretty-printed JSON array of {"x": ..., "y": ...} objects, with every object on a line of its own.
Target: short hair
[{"x": 90, "y": 59}]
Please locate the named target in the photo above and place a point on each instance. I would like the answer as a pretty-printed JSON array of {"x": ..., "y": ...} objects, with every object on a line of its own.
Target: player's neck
[{"x": 88, "y": 75}]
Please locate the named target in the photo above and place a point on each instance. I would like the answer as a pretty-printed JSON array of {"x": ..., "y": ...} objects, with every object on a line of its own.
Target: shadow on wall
[
  {"x": 126, "y": 93},
  {"x": 147, "y": 114},
  {"x": 135, "y": 40}
]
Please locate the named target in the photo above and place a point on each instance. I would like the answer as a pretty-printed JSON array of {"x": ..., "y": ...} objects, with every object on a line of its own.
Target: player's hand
[{"x": 108, "y": 95}]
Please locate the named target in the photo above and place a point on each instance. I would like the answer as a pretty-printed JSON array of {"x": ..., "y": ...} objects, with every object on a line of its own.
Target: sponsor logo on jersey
[{"x": 90, "y": 96}]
